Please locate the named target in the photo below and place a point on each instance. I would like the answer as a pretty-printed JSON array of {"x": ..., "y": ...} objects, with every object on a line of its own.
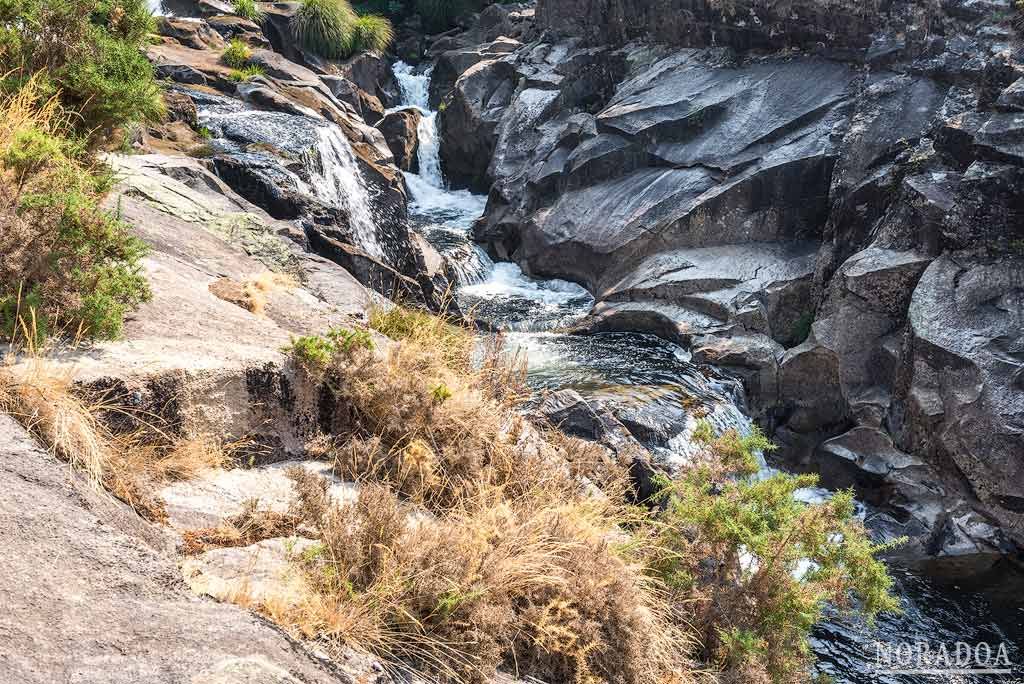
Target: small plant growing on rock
[
  {"x": 315, "y": 353},
  {"x": 237, "y": 54},
  {"x": 248, "y": 9},
  {"x": 246, "y": 73}
]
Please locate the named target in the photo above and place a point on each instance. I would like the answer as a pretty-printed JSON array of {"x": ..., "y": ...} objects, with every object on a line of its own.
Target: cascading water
[
  {"x": 648, "y": 381},
  {"x": 445, "y": 217},
  {"x": 338, "y": 182}
]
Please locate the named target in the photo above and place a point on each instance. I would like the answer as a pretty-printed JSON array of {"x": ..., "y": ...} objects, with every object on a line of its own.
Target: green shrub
[
  {"x": 372, "y": 33},
  {"x": 237, "y": 54},
  {"x": 88, "y": 52},
  {"x": 65, "y": 265},
  {"x": 325, "y": 27},
  {"x": 247, "y": 9},
  {"x": 782, "y": 560},
  {"x": 314, "y": 352}
]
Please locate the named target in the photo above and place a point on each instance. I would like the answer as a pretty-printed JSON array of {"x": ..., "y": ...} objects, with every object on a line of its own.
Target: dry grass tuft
[
  {"x": 519, "y": 563},
  {"x": 538, "y": 585},
  {"x": 252, "y": 294},
  {"x": 41, "y": 396},
  {"x": 250, "y": 526}
]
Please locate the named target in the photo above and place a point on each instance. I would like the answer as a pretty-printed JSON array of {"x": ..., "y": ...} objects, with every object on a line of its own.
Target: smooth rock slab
[{"x": 92, "y": 595}]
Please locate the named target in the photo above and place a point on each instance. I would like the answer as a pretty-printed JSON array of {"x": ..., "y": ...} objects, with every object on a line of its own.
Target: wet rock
[
  {"x": 753, "y": 358},
  {"x": 574, "y": 415},
  {"x": 451, "y": 64},
  {"x": 399, "y": 129},
  {"x": 591, "y": 420},
  {"x": 469, "y": 121},
  {"x": 965, "y": 399}
]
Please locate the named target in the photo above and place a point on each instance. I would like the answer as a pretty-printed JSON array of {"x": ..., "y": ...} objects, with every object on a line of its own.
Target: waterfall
[
  {"x": 336, "y": 181},
  {"x": 416, "y": 93}
]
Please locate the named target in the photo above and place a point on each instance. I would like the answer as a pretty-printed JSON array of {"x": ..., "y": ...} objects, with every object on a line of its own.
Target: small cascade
[
  {"x": 336, "y": 181},
  {"x": 416, "y": 93},
  {"x": 444, "y": 217}
]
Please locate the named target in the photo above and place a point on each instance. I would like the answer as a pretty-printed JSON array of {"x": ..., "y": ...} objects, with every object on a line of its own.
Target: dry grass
[
  {"x": 477, "y": 540},
  {"x": 250, "y": 526},
  {"x": 252, "y": 294},
  {"x": 41, "y": 396},
  {"x": 540, "y": 586}
]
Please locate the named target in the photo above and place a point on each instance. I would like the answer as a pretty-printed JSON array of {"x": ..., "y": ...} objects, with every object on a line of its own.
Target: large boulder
[
  {"x": 469, "y": 120},
  {"x": 82, "y": 572},
  {"x": 964, "y": 399},
  {"x": 400, "y": 132}
]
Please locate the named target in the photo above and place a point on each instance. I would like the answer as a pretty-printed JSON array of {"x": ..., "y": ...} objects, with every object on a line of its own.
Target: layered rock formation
[{"x": 826, "y": 203}]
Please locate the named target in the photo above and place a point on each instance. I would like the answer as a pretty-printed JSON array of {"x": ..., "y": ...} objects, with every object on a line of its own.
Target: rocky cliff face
[{"x": 830, "y": 205}]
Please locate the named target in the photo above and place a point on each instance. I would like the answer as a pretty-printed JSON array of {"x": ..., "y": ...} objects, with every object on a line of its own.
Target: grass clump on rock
[
  {"x": 333, "y": 30},
  {"x": 237, "y": 54},
  {"x": 248, "y": 9}
]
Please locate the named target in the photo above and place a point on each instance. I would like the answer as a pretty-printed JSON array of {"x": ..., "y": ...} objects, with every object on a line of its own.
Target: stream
[{"x": 648, "y": 381}]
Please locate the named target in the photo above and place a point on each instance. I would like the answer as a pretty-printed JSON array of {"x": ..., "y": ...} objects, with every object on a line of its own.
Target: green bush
[
  {"x": 783, "y": 559},
  {"x": 247, "y": 9},
  {"x": 314, "y": 352},
  {"x": 325, "y": 27},
  {"x": 372, "y": 33},
  {"x": 65, "y": 265},
  {"x": 332, "y": 29},
  {"x": 237, "y": 54},
  {"x": 88, "y": 52}
]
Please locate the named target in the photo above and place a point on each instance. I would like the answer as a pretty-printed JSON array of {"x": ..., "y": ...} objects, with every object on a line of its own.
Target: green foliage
[
  {"x": 325, "y": 27},
  {"x": 88, "y": 52},
  {"x": 312, "y": 352},
  {"x": 332, "y": 29},
  {"x": 315, "y": 352},
  {"x": 346, "y": 340},
  {"x": 246, "y": 73},
  {"x": 372, "y": 33},
  {"x": 440, "y": 393},
  {"x": 247, "y": 9},
  {"x": 783, "y": 559},
  {"x": 237, "y": 54},
  {"x": 67, "y": 265}
]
